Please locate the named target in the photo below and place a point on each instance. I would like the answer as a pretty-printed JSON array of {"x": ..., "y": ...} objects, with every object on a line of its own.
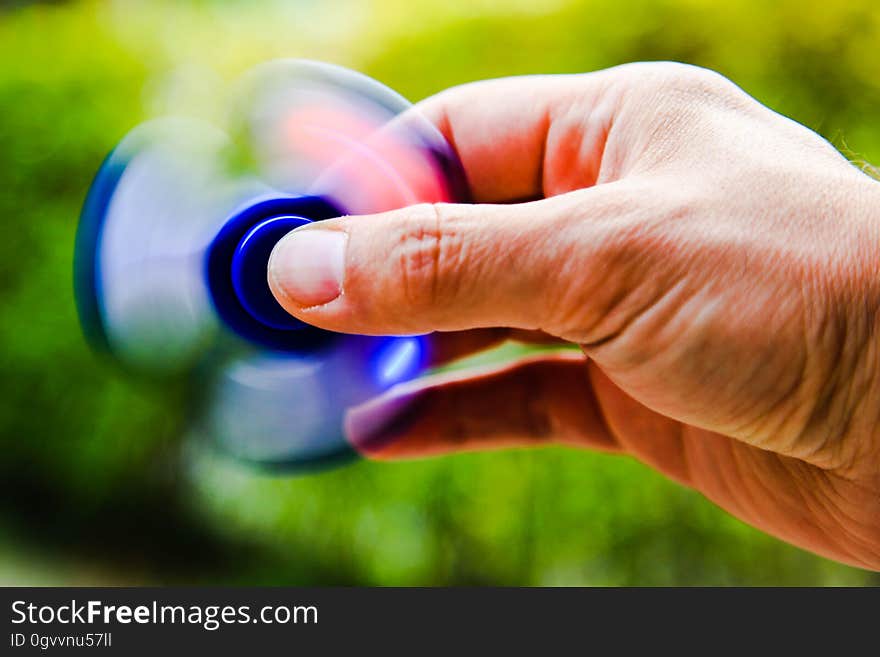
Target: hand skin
[{"x": 717, "y": 264}]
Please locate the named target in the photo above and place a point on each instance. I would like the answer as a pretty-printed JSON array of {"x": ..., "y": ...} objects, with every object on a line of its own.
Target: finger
[
  {"x": 453, "y": 267},
  {"x": 514, "y": 134},
  {"x": 542, "y": 400}
]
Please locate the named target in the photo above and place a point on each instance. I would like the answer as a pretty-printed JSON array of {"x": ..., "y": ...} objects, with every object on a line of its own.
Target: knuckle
[
  {"x": 685, "y": 83},
  {"x": 677, "y": 109},
  {"x": 691, "y": 84},
  {"x": 427, "y": 254},
  {"x": 688, "y": 75}
]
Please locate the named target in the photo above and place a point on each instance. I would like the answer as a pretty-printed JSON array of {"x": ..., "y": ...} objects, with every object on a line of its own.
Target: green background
[{"x": 97, "y": 482}]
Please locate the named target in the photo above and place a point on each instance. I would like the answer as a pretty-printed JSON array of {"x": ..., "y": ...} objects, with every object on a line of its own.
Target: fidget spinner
[{"x": 177, "y": 229}]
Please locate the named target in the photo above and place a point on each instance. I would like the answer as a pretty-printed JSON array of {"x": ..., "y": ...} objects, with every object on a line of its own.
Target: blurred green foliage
[{"x": 98, "y": 485}]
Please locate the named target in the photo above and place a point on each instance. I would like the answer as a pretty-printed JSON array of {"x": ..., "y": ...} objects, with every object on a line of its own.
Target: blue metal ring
[{"x": 236, "y": 272}]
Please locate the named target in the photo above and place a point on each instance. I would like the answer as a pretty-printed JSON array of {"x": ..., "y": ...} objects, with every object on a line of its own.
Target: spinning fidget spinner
[{"x": 176, "y": 232}]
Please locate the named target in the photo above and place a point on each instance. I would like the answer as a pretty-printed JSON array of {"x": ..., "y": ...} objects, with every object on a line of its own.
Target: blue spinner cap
[
  {"x": 249, "y": 264},
  {"x": 236, "y": 268}
]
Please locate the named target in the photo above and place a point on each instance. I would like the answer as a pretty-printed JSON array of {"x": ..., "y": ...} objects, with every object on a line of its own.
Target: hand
[{"x": 717, "y": 263}]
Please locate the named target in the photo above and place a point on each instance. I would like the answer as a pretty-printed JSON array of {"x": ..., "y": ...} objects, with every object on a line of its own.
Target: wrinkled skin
[{"x": 717, "y": 263}]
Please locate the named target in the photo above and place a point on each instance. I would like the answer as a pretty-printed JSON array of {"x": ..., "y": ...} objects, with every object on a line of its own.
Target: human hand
[{"x": 717, "y": 263}]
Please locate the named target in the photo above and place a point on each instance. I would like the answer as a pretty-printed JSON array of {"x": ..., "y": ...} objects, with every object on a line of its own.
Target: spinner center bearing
[{"x": 236, "y": 270}]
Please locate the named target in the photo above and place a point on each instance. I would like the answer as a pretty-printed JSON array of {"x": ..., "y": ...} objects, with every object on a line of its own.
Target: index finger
[{"x": 526, "y": 137}]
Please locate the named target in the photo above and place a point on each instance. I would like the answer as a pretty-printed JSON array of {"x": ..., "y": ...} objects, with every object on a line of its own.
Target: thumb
[{"x": 438, "y": 267}]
